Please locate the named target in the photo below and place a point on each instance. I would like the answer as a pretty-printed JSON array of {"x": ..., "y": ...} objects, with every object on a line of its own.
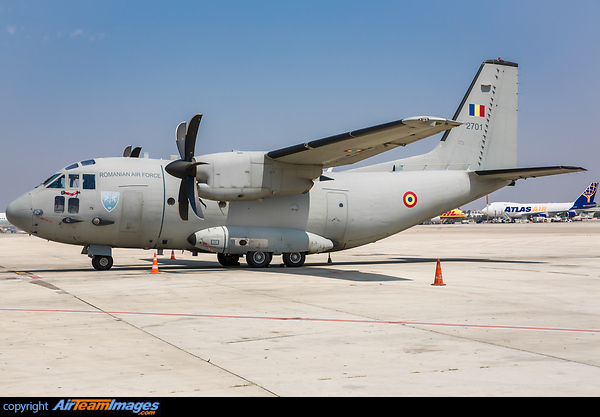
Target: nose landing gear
[{"x": 102, "y": 262}]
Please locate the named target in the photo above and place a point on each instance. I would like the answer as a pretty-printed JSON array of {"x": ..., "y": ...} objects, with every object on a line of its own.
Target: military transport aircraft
[{"x": 282, "y": 202}]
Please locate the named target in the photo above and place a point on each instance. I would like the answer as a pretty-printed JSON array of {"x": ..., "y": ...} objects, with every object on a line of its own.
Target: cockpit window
[
  {"x": 72, "y": 166},
  {"x": 89, "y": 181},
  {"x": 50, "y": 179},
  {"x": 73, "y": 180},
  {"x": 88, "y": 162},
  {"x": 58, "y": 182}
]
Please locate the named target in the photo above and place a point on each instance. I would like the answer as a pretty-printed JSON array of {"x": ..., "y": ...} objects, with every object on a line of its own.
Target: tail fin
[
  {"x": 488, "y": 137},
  {"x": 586, "y": 199}
]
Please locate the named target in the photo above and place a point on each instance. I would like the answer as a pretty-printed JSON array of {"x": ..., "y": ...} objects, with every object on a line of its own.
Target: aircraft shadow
[
  {"x": 428, "y": 260},
  {"x": 318, "y": 269}
]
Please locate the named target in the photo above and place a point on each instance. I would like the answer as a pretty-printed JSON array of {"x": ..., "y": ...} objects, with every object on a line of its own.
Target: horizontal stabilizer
[{"x": 523, "y": 173}]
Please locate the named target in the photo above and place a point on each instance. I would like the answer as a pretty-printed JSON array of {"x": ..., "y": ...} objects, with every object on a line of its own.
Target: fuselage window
[
  {"x": 59, "y": 204},
  {"x": 73, "y": 205},
  {"x": 73, "y": 180},
  {"x": 89, "y": 181},
  {"x": 58, "y": 183},
  {"x": 88, "y": 162}
]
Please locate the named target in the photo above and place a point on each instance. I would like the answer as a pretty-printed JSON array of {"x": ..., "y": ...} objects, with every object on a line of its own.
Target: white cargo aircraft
[
  {"x": 261, "y": 204},
  {"x": 3, "y": 220},
  {"x": 527, "y": 210}
]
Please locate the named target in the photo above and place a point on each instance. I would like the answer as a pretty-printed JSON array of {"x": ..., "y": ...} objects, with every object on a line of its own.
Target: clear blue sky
[{"x": 82, "y": 79}]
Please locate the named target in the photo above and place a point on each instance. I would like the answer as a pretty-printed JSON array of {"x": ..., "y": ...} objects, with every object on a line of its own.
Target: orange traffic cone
[
  {"x": 172, "y": 254},
  {"x": 438, "y": 275},
  {"x": 155, "y": 265}
]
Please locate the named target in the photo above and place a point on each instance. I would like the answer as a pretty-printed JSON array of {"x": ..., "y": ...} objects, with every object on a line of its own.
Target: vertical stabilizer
[
  {"x": 586, "y": 199},
  {"x": 487, "y": 139}
]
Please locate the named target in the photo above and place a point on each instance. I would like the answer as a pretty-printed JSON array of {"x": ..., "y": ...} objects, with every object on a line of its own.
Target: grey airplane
[{"x": 282, "y": 202}]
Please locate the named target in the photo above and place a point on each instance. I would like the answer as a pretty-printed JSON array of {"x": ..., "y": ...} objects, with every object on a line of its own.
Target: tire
[
  {"x": 228, "y": 259},
  {"x": 102, "y": 263},
  {"x": 259, "y": 259},
  {"x": 294, "y": 259}
]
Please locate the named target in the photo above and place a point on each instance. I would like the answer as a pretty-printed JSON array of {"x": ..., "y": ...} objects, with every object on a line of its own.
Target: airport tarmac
[{"x": 519, "y": 316}]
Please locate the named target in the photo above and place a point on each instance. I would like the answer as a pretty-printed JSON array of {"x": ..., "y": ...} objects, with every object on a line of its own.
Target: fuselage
[
  {"x": 132, "y": 203},
  {"x": 524, "y": 210}
]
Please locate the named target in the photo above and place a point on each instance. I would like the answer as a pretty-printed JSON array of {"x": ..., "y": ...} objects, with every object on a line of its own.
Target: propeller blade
[
  {"x": 190, "y": 137},
  {"x": 136, "y": 152},
  {"x": 192, "y": 195},
  {"x": 127, "y": 151},
  {"x": 183, "y": 201},
  {"x": 180, "y": 138},
  {"x": 185, "y": 168}
]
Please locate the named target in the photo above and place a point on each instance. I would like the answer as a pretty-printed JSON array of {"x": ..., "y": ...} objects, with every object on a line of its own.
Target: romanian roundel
[{"x": 410, "y": 199}]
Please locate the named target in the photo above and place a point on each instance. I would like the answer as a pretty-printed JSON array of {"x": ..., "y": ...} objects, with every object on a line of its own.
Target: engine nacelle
[
  {"x": 242, "y": 176},
  {"x": 239, "y": 240}
]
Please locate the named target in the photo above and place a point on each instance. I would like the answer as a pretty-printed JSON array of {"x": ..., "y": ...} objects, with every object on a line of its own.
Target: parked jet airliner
[
  {"x": 282, "y": 202},
  {"x": 520, "y": 210}
]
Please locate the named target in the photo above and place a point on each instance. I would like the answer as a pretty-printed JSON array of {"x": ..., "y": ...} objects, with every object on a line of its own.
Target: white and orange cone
[{"x": 155, "y": 265}]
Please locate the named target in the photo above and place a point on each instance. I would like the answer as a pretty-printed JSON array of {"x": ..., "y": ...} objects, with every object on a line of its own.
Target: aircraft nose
[{"x": 19, "y": 212}]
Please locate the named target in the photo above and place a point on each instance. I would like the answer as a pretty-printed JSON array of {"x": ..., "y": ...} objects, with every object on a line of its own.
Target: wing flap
[{"x": 355, "y": 146}]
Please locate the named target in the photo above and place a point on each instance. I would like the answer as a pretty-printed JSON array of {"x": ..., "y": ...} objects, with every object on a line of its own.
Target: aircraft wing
[
  {"x": 355, "y": 146},
  {"x": 523, "y": 173}
]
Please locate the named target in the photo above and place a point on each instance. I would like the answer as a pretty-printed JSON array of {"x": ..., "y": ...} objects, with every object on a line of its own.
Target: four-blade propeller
[{"x": 185, "y": 168}]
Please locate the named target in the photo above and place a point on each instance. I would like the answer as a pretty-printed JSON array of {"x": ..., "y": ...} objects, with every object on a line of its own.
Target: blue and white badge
[{"x": 110, "y": 199}]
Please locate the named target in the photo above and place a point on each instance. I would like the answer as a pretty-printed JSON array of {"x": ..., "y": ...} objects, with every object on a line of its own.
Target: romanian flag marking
[{"x": 477, "y": 110}]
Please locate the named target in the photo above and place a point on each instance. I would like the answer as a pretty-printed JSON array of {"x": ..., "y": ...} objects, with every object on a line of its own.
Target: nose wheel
[{"x": 102, "y": 263}]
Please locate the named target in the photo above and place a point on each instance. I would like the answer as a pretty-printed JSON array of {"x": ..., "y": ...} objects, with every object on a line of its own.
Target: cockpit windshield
[
  {"x": 58, "y": 182},
  {"x": 49, "y": 180}
]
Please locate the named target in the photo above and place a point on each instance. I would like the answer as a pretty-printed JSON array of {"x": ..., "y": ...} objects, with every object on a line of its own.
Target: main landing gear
[{"x": 260, "y": 259}]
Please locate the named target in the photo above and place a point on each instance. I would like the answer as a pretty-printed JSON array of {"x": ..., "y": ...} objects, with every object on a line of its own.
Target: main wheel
[
  {"x": 102, "y": 263},
  {"x": 294, "y": 259},
  {"x": 259, "y": 259},
  {"x": 228, "y": 259}
]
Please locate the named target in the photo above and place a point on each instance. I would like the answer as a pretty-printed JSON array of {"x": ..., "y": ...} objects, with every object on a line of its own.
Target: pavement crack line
[
  {"x": 416, "y": 327},
  {"x": 363, "y": 319},
  {"x": 506, "y": 347},
  {"x": 114, "y": 316}
]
